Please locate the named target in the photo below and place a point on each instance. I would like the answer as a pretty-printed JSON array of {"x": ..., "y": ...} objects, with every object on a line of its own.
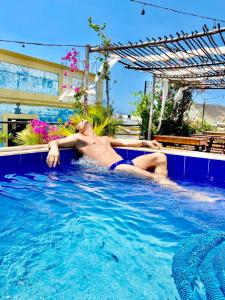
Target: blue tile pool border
[
  {"x": 198, "y": 169},
  {"x": 17, "y": 163}
]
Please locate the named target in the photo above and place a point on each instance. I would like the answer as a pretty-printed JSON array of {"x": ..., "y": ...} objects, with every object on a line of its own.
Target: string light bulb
[{"x": 143, "y": 11}]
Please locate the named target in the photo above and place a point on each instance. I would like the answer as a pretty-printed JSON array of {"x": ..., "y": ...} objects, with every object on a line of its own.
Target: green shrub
[
  {"x": 175, "y": 119},
  {"x": 3, "y": 137},
  {"x": 197, "y": 126},
  {"x": 98, "y": 116}
]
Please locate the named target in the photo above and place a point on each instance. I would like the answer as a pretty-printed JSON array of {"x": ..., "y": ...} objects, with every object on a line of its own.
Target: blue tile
[
  {"x": 31, "y": 159},
  {"x": 31, "y": 162},
  {"x": 122, "y": 152},
  {"x": 134, "y": 153},
  {"x": 216, "y": 171},
  {"x": 175, "y": 166},
  {"x": 67, "y": 155},
  {"x": 196, "y": 168},
  {"x": 9, "y": 164}
]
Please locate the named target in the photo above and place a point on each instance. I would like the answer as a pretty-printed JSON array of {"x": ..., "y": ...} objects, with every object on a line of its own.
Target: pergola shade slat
[{"x": 196, "y": 59}]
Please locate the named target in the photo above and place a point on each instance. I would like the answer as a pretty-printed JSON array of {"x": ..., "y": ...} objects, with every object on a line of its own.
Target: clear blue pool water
[{"x": 81, "y": 233}]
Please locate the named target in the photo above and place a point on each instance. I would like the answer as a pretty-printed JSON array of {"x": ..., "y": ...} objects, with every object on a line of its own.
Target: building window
[{"x": 30, "y": 80}]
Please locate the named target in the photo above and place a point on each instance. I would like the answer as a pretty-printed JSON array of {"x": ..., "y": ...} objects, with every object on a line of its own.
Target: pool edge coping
[{"x": 18, "y": 150}]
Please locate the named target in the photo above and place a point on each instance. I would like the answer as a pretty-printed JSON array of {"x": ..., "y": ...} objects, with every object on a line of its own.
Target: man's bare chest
[{"x": 89, "y": 142}]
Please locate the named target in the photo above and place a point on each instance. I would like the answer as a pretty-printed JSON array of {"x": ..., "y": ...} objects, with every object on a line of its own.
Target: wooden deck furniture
[
  {"x": 200, "y": 143},
  {"x": 216, "y": 141}
]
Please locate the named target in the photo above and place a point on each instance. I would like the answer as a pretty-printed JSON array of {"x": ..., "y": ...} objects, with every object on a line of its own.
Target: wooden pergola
[{"x": 196, "y": 60}]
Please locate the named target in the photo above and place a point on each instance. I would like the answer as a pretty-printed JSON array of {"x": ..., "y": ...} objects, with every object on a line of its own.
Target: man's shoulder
[{"x": 78, "y": 136}]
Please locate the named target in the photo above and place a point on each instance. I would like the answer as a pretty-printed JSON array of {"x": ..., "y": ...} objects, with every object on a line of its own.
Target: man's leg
[
  {"x": 156, "y": 161},
  {"x": 143, "y": 173}
]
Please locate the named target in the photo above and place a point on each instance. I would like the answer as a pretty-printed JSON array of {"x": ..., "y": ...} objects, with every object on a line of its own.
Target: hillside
[{"x": 213, "y": 113}]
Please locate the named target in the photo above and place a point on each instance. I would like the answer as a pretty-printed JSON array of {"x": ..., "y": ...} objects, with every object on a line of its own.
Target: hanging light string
[
  {"x": 23, "y": 43},
  {"x": 42, "y": 44},
  {"x": 178, "y": 11}
]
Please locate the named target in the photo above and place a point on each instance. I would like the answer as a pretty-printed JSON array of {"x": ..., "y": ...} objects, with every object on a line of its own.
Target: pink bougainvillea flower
[
  {"x": 68, "y": 56},
  {"x": 45, "y": 131},
  {"x": 73, "y": 59},
  {"x": 65, "y": 73},
  {"x": 73, "y": 66},
  {"x": 38, "y": 123},
  {"x": 53, "y": 128},
  {"x": 42, "y": 131},
  {"x": 64, "y": 86},
  {"x": 77, "y": 89}
]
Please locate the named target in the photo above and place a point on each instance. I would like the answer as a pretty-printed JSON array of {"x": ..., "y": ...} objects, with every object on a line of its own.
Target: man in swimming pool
[{"x": 100, "y": 149}]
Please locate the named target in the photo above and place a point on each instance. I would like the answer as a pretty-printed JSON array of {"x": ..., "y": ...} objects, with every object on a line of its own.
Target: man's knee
[{"x": 161, "y": 158}]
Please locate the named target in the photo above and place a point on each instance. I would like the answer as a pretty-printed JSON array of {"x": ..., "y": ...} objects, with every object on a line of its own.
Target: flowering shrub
[
  {"x": 73, "y": 61},
  {"x": 79, "y": 92},
  {"x": 46, "y": 131},
  {"x": 39, "y": 132},
  {"x": 72, "y": 57}
]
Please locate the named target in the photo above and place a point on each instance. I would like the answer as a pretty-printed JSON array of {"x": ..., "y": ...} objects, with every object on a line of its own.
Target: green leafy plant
[
  {"x": 97, "y": 115},
  {"x": 142, "y": 104},
  {"x": 39, "y": 132},
  {"x": 175, "y": 119},
  {"x": 105, "y": 41},
  {"x": 28, "y": 137},
  {"x": 197, "y": 126},
  {"x": 176, "y": 115},
  {"x": 3, "y": 137}
]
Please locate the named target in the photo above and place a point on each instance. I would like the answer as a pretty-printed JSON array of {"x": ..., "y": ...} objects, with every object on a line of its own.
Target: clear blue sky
[{"x": 65, "y": 21}]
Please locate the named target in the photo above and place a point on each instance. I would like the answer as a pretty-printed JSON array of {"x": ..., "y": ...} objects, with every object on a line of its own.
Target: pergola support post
[
  {"x": 86, "y": 75},
  {"x": 151, "y": 109}
]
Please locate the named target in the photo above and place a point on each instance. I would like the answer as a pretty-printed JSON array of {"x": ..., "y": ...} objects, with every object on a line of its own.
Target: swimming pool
[{"x": 84, "y": 233}]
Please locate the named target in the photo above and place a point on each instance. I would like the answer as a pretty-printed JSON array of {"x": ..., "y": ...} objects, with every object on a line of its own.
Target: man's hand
[
  {"x": 152, "y": 144},
  {"x": 53, "y": 157}
]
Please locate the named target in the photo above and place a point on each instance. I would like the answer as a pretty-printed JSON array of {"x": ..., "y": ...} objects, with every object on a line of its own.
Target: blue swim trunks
[{"x": 121, "y": 162}]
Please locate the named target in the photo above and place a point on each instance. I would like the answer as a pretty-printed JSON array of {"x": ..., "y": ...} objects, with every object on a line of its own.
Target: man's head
[{"x": 84, "y": 127}]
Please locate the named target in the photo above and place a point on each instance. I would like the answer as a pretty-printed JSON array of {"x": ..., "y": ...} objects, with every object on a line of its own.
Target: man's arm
[
  {"x": 53, "y": 157},
  {"x": 134, "y": 143}
]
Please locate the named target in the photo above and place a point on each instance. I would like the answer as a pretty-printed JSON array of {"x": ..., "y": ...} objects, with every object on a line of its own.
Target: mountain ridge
[{"x": 214, "y": 113}]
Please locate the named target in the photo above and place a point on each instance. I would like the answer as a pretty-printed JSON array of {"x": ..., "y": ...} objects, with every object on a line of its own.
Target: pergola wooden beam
[
  {"x": 159, "y": 42},
  {"x": 199, "y": 56},
  {"x": 196, "y": 60}
]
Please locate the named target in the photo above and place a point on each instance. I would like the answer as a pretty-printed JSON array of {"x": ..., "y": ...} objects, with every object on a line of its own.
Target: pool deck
[{"x": 6, "y": 151}]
